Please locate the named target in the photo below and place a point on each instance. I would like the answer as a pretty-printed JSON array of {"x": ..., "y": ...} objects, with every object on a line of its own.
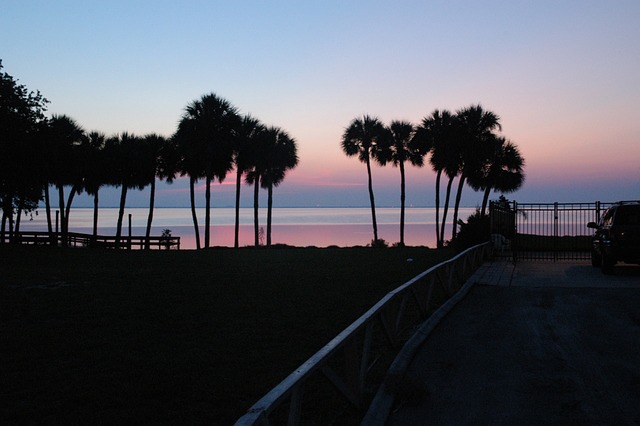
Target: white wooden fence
[{"x": 346, "y": 360}]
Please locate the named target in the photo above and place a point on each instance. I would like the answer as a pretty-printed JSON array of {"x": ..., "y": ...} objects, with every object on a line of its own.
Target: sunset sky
[{"x": 564, "y": 77}]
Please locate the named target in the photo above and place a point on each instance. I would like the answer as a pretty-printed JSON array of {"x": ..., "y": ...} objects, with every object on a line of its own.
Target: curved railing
[{"x": 346, "y": 360}]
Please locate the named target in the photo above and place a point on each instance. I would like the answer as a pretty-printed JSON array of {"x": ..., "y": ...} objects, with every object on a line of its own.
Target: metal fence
[
  {"x": 545, "y": 231},
  {"x": 347, "y": 362}
]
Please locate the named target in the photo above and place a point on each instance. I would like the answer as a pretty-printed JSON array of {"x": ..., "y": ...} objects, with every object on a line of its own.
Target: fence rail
[
  {"x": 347, "y": 360},
  {"x": 546, "y": 231},
  {"x": 76, "y": 239}
]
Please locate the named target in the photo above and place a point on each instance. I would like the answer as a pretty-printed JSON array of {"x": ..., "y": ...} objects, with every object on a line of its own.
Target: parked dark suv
[{"x": 617, "y": 236}]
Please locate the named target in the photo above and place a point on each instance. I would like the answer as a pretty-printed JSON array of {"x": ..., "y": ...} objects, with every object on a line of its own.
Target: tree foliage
[
  {"x": 212, "y": 138},
  {"x": 365, "y": 138},
  {"x": 461, "y": 145},
  {"x": 21, "y": 113}
]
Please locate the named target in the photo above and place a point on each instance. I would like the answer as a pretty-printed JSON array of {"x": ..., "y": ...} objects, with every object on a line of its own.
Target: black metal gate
[{"x": 545, "y": 231}]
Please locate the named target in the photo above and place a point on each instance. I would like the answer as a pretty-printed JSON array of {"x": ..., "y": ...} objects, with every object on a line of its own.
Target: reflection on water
[{"x": 320, "y": 227}]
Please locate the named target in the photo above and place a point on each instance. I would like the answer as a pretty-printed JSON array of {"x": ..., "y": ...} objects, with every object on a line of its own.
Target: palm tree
[
  {"x": 190, "y": 163},
  {"x": 361, "y": 139},
  {"x": 161, "y": 162},
  {"x": 249, "y": 130},
  {"x": 253, "y": 177},
  {"x": 477, "y": 127},
  {"x": 95, "y": 171},
  {"x": 255, "y": 174},
  {"x": 206, "y": 131},
  {"x": 43, "y": 136},
  {"x": 125, "y": 154},
  {"x": 503, "y": 172},
  {"x": 439, "y": 132},
  {"x": 282, "y": 156},
  {"x": 66, "y": 135},
  {"x": 399, "y": 149}
]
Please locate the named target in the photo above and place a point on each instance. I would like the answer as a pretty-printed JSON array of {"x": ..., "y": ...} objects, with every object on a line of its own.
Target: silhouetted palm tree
[
  {"x": 255, "y": 174},
  {"x": 503, "y": 172},
  {"x": 160, "y": 159},
  {"x": 253, "y": 177},
  {"x": 477, "y": 127},
  {"x": 440, "y": 131},
  {"x": 361, "y": 139},
  {"x": 125, "y": 154},
  {"x": 249, "y": 130},
  {"x": 66, "y": 136},
  {"x": 190, "y": 163},
  {"x": 282, "y": 155},
  {"x": 398, "y": 150},
  {"x": 43, "y": 148},
  {"x": 206, "y": 133},
  {"x": 95, "y": 175}
]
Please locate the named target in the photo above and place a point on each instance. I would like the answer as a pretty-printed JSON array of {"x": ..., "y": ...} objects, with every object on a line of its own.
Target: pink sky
[{"x": 563, "y": 76}]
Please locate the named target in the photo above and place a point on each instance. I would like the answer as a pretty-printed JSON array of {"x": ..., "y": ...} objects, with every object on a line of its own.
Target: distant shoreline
[
  {"x": 295, "y": 226},
  {"x": 81, "y": 206}
]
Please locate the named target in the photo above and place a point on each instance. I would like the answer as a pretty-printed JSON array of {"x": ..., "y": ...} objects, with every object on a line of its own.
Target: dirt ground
[{"x": 557, "y": 344}]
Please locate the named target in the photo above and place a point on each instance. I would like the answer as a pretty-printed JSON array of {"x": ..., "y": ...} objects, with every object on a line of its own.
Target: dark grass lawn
[{"x": 178, "y": 337}]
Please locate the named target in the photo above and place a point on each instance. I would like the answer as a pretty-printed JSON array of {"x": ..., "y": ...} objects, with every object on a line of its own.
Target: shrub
[
  {"x": 379, "y": 243},
  {"x": 476, "y": 230}
]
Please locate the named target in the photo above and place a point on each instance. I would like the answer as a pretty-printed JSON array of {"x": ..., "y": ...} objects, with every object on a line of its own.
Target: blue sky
[{"x": 564, "y": 76}]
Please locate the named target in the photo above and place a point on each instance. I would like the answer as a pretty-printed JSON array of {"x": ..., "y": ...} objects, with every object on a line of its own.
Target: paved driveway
[{"x": 538, "y": 344}]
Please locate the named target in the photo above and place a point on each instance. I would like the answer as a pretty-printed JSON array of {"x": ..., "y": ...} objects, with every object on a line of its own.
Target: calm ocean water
[{"x": 319, "y": 227}]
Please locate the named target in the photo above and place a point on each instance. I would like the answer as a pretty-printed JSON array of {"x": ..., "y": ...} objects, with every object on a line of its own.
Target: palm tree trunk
[
  {"x": 438, "y": 175},
  {"x": 207, "y": 213},
  {"x": 485, "y": 199},
  {"x": 269, "y": 210},
  {"x": 7, "y": 215},
  {"x": 454, "y": 231},
  {"x": 373, "y": 204},
  {"x": 12, "y": 236},
  {"x": 63, "y": 231},
  {"x": 152, "y": 200},
  {"x": 256, "y": 231},
  {"x": 402, "y": 200},
  {"x": 72, "y": 194},
  {"x": 18, "y": 217},
  {"x": 236, "y": 239},
  {"x": 95, "y": 215},
  {"x": 4, "y": 226},
  {"x": 445, "y": 210},
  {"x": 123, "y": 200},
  {"x": 47, "y": 207},
  {"x": 194, "y": 216}
]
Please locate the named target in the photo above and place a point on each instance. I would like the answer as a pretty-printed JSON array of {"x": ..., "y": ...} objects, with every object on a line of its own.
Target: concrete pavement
[{"x": 538, "y": 343}]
